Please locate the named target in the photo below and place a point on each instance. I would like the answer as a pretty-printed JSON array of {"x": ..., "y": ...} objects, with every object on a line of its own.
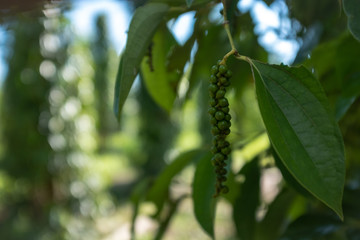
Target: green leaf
[
  {"x": 352, "y": 11},
  {"x": 245, "y": 206},
  {"x": 340, "y": 78},
  {"x": 203, "y": 191},
  {"x": 305, "y": 136},
  {"x": 142, "y": 28},
  {"x": 164, "y": 224},
  {"x": 181, "y": 54},
  {"x": 290, "y": 180},
  {"x": 158, "y": 193},
  {"x": 312, "y": 227},
  {"x": 137, "y": 196},
  {"x": 204, "y": 58},
  {"x": 160, "y": 82},
  {"x": 276, "y": 216}
]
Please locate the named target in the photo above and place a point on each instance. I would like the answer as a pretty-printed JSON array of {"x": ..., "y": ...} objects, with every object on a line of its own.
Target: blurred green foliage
[{"x": 67, "y": 171}]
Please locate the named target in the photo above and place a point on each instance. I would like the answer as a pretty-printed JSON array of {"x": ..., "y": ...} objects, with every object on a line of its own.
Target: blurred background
[{"x": 68, "y": 168}]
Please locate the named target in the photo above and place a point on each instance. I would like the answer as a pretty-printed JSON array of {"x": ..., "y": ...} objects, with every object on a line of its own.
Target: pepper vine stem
[{"x": 233, "y": 50}]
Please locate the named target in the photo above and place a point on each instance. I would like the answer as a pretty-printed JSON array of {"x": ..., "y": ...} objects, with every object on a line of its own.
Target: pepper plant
[{"x": 301, "y": 106}]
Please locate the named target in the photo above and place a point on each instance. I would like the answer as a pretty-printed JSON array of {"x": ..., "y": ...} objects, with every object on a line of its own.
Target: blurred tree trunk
[
  {"x": 100, "y": 52},
  {"x": 24, "y": 118}
]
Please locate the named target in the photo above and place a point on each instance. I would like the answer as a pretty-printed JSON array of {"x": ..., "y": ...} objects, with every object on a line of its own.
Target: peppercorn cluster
[{"x": 220, "y": 120}]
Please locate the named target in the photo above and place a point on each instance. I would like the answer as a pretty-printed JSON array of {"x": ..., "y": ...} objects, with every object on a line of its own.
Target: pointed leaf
[
  {"x": 312, "y": 227},
  {"x": 203, "y": 191},
  {"x": 340, "y": 78},
  {"x": 159, "y": 191},
  {"x": 137, "y": 196},
  {"x": 244, "y": 209},
  {"x": 290, "y": 180},
  {"x": 352, "y": 11},
  {"x": 160, "y": 82},
  {"x": 303, "y": 133},
  {"x": 141, "y": 30},
  {"x": 276, "y": 216}
]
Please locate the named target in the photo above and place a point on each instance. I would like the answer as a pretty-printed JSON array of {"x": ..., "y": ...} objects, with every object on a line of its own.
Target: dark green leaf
[
  {"x": 340, "y": 78},
  {"x": 160, "y": 82},
  {"x": 137, "y": 195},
  {"x": 303, "y": 133},
  {"x": 352, "y": 11},
  {"x": 233, "y": 185},
  {"x": 353, "y": 233},
  {"x": 203, "y": 191},
  {"x": 204, "y": 58},
  {"x": 164, "y": 224},
  {"x": 309, "y": 227},
  {"x": 181, "y": 54},
  {"x": 141, "y": 30},
  {"x": 290, "y": 180},
  {"x": 276, "y": 216},
  {"x": 351, "y": 200},
  {"x": 245, "y": 206},
  {"x": 158, "y": 193}
]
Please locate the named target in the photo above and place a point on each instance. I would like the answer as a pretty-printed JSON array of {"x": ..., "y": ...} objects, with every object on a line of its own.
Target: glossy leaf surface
[
  {"x": 244, "y": 209},
  {"x": 203, "y": 191},
  {"x": 160, "y": 82},
  {"x": 142, "y": 28},
  {"x": 303, "y": 132},
  {"x": 159, "y": 191},
  {"x": 352, "y": 10}
]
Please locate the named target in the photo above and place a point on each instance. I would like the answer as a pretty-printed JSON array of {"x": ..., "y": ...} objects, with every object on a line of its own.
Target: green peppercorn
[
  {"x": 222, "y": 125},
  {"x": 214, "y": 69},
  {"x": 218, "y": 138},
  {"x": 220, "y": 120},
  {"x": 225, "y": 109},
  {"x": 222, "y": 69},
  {"x": 220, "y": 94},
  {"x": 213, "y": 102},
  {"x": 213, "y": 121},
  {"x": 226, "y": 84},
  {"x": 214, "y": 149},
  {"x": 222, "y": 164},
  {"x": 215, "y": 130},
  {"x": 226, "y": 150},
  {"x": 219, "y": 157},
  {"x": 219, "y": 115},
  {"x": 221, "y": 143},
  {"x": 212, "y": 110},
  {"x": 221, "y": 178},
  {"x": 223, "y": 102},
  {"x": 225, "y": 189},
  {"x": 228, "y": 73},
  {"x": 223, "y": 171},
  {"x": 214, "y": 162},
  {"x": 213, "y": 88},
  {"x": 213, "y": 79},
  {"x": 223, "y": 80}
]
